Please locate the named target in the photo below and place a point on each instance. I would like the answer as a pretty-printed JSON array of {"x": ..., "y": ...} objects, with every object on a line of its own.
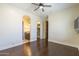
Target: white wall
[
  {"x": 61, "y": 25},
  {"x": 11, "y": 26},
  {"x": 41, "y": 27}
]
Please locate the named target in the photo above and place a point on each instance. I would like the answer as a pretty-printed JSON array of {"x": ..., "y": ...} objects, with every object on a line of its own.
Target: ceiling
[{"x": 55, "y": 7}]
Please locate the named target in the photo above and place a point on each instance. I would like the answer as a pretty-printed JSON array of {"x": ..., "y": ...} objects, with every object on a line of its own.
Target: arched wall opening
[{"x": 26, "y": 27}]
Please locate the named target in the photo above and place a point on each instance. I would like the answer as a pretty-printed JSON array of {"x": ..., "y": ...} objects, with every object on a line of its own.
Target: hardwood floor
[{"x": 40, "y": 49}]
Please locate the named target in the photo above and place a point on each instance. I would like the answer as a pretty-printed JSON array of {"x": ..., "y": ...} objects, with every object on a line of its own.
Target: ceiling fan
[{"x": 40, "y": 6}]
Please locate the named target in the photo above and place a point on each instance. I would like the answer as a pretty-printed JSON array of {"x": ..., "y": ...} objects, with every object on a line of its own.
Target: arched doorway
[{"x": 26, "y": 28}]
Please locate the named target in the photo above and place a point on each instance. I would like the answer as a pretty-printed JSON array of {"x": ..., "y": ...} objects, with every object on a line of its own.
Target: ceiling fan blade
[
  {"x": 36, "y": 8},
  {"x": 35, "y": 4},
  {"x": 47, "y": 6},
  {"x": 42, "y": 9}
]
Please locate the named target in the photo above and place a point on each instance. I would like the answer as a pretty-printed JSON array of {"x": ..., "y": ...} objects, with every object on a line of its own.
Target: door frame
[{"x": 23, "y": 35}]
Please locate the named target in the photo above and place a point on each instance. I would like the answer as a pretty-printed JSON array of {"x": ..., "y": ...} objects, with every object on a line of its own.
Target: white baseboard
[
  {"x": 64, "y": 43},
  {"x": 13, "y": 45},
  {"x": 17, "y": 44}
]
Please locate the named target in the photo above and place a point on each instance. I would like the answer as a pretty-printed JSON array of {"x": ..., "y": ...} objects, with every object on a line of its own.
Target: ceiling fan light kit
[{"x": 40, "y": 6}]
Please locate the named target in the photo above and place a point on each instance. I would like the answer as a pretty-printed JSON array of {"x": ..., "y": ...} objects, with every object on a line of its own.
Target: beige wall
[{"x": 61, "y": 25}]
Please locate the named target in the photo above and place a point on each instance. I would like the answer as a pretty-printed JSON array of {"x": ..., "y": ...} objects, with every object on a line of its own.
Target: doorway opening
[
  {"x": 26, "y": 28},
  {"x": 46, "y": 31}
]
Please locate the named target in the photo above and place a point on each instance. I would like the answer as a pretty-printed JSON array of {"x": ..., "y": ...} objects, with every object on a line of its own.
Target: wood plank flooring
[{"x": 40, "y": 49}]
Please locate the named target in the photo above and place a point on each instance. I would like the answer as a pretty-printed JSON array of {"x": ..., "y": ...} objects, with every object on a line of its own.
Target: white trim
[
  {"x": 64, "y": 43},
  {"x": 14, "y": 45},
  {"x": 11, "y": 46}
]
